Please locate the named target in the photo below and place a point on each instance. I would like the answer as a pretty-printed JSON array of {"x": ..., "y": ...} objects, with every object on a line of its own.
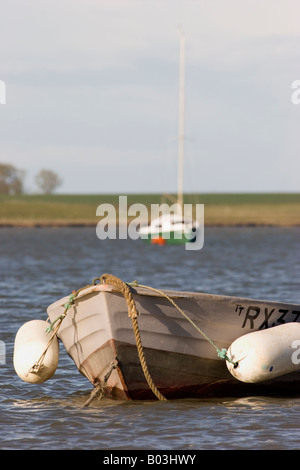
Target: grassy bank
[{"x": 220, "y": 209}]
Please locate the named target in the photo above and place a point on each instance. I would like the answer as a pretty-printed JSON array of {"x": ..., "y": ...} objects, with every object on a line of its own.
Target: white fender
[
  {"x": 265, "y": 354},
  {"x": 30, "y": 343}
]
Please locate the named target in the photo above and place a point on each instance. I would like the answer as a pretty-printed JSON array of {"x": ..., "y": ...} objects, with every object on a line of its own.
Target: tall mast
[{"x": 181, "y": 118}]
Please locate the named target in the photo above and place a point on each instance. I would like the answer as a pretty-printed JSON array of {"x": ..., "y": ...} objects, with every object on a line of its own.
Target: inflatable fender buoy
[
  {"x": 265, "y": 354},
  {"x": 30, "y": 343}
]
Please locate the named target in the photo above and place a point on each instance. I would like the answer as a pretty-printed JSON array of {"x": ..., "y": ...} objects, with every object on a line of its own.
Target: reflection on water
[{"x": 39, "y": 266}]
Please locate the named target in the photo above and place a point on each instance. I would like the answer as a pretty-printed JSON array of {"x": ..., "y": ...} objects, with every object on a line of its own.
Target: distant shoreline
[
  {"x": 79, "y": 224},
  {"x": 220, "y": 210}
]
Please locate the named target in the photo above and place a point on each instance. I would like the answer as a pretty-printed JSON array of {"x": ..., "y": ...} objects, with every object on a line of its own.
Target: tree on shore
[
  {"x": 47, "y": 181},
  {"x": 11, "y": 179}
]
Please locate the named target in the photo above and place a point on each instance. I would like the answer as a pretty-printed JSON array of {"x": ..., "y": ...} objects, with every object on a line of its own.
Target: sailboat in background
[{"x": 174, "y": 226}]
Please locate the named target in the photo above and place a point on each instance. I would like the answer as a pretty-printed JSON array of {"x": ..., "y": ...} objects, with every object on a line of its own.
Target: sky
[{"x": 91, "y": 90}]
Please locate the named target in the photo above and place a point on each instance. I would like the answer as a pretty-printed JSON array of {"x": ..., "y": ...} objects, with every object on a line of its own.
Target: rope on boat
[
  {"x": 133, "y": 314},
  {"x": 124, "y": 288},
  {"x": 99, "y": 389},
  {"x": 222, "y": 353},
  {"x": 67, "y": 306},
  {"x": 38, "y": 364}
]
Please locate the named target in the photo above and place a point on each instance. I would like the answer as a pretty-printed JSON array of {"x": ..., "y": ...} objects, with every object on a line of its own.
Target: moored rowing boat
[{"x": 137, "y": 341}]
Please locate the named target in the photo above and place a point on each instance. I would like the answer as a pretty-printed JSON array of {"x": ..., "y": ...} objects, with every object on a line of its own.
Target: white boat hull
[
  {"x": 173, "y": 233},
  {"x": 181, "y": 361}
]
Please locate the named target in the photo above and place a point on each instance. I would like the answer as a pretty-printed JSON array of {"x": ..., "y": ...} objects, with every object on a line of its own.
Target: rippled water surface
[{"x": 41, "y": 265}]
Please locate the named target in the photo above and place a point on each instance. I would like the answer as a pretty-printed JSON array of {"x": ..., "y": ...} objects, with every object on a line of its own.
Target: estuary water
[{"x": 41, "y": 265}]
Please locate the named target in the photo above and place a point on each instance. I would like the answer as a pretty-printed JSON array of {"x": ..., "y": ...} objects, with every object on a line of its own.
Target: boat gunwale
[{"x": 174, "y": 294}]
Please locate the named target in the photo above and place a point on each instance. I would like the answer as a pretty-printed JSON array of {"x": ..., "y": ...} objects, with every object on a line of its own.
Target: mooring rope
[
  {"x": 99, "y": 389},
  {"x": 133, "y": 314},
  {"x": 222, "y": 353},
  {"x": 38, "y": 364},
  {"x": 125, "y": 289}
]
